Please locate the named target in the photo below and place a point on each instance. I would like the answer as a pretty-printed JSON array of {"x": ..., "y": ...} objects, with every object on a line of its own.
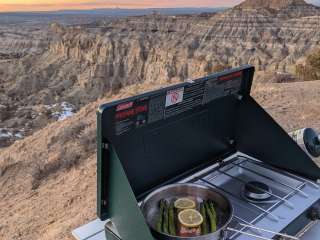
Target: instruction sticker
[{"x": 174, "y": 97}]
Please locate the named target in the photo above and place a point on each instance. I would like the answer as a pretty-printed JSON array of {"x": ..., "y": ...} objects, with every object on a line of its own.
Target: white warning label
[{"x": 174, "y": 96}]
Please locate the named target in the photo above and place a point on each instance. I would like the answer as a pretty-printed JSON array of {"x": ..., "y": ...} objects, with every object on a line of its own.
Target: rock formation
[
  {"x": 79, "y": 63},
  {"x": 273, "y": 4}
]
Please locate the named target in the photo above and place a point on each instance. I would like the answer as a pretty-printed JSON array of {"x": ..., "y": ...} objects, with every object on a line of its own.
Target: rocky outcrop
[
  {"x": 272, "y": 4},
  {"x": 16, "y": 42},
  {"x": 284, "y": 9}
]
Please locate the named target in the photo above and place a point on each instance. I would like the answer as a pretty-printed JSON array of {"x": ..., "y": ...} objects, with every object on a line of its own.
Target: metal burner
[
  {"x": 256, "y": 191},
  {"x": 285, "y": 195}
]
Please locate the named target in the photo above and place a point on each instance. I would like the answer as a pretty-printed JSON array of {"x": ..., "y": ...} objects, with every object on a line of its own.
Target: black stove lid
[{"x": 163, "y": 134}]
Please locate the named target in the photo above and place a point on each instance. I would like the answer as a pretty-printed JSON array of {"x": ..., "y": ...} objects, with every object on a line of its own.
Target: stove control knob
[{"x": 314, "y": 214}]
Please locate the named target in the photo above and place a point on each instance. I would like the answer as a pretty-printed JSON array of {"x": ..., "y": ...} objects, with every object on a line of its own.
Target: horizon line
[{"x": 111, "y": 8}]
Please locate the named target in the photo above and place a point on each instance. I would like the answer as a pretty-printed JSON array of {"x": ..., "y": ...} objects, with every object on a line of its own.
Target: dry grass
[{"x": 48, "y": 180}]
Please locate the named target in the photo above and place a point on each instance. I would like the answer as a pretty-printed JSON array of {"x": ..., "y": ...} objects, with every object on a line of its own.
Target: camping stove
[
  {"x": 291, "y": 204},
  {"x": 208, "y": 131}
]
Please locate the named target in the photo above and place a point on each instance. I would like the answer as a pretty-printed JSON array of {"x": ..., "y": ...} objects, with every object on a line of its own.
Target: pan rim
[{"x": 222, "y": 228}]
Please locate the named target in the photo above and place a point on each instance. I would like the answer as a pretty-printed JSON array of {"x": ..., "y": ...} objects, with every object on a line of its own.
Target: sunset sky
[{"x": 45, "y": 5}]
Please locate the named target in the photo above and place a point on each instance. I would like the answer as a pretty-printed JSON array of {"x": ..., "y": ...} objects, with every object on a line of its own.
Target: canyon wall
[{"x": 78, "y": 64}]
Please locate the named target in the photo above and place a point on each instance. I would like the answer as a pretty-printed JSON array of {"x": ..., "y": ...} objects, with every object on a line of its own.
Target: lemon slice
[
  {"x": 190, "y": 218},
  {"x": 184, "y": 203}
]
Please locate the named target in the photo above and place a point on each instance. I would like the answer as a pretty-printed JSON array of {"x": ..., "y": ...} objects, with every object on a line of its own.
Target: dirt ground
[{"x": 48, "y": 180}]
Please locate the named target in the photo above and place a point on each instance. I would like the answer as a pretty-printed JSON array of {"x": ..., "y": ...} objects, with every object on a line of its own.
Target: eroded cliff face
[
  {"x": 16, "y": 42},
  {"x": 162, "y": 49},
  {"x": 78, "y": 64},
  {"x": 274, "y": 4}
]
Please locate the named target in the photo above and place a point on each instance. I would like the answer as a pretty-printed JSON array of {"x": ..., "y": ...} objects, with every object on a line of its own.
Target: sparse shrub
[
  {"x": 41, "y": 172},
  {"x": 87, "y": 139},
  {"x": 68, "y": 158},
  {"x": 314, "y": 60},
  {"x": 70, "y": 133},
  {"x": 311, "y": 69},
  {"x": 283, "y": 78},
  {"x": 208, "y": 68},
  {"x": 6, "y": 165},
  {"x": 220, "y": 67}
]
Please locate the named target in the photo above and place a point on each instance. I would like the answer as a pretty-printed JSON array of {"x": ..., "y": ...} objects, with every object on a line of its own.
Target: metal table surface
[
  {"x": 95, "y": 231},
  {"x": 313, "y": 233}
]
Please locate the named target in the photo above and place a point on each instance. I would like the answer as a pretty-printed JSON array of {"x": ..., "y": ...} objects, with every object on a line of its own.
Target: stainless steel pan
[
  {"x": 224, "y": 209},
  {"x": 150, "y": 207}
]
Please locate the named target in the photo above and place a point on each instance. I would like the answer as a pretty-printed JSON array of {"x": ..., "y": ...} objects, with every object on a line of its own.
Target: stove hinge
[
  {"x": 239, "y": 96},
  {"x": 222, "y": 163},
  {"x": 223, "y": 159},
  {"x": 105, "y": 146}
]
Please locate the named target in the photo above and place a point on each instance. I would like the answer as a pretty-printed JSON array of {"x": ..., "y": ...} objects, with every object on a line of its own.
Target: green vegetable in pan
[
  {"x": 211, "y": 217},
  {"x": 165, "y": 227},
  {"x": 167, "y": 218},
  {"x": 211, "y": 204},
  {"x": 172, "y": 224},
  {"x": 161, "y": 215},
  {"x": 204, "y": 225}
]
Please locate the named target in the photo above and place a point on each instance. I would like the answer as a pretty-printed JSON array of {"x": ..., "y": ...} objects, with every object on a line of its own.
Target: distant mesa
[
  {"x": 277, "y": 9},
  {"x": 273, "y": 4}
]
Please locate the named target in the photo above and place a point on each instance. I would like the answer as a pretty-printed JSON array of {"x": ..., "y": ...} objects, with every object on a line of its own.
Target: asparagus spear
[
  {"x": 211, "y": 217},
  {"x": 211, "y": 204},
  {"x": 172, "y": 224},
  {"x": 204, "y": 226},
  {"x": 165, "y": 227},
  {"x": 161, "y": 214}
]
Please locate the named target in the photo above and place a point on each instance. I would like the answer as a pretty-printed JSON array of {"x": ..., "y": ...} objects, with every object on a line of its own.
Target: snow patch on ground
[
  {"x": 18, "y": 135},
  {"x": 4, "y": 133},
  {"x": 7, "y": 134},
  {"x": 62, "y": 111}
]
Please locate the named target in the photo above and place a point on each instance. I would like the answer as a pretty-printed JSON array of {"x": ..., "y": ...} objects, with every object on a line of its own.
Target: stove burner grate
[{"x": 256, "y": 192}]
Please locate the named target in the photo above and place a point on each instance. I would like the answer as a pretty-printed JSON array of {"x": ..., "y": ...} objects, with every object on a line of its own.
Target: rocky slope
[{"x": 46, "y": 178}]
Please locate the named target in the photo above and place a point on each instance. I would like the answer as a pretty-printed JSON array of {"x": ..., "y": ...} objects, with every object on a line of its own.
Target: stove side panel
[{"x": 258, "y": 135}]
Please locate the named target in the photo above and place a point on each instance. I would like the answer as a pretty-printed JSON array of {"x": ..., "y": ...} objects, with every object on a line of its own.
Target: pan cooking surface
[{"x": 150, "y": 207}]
